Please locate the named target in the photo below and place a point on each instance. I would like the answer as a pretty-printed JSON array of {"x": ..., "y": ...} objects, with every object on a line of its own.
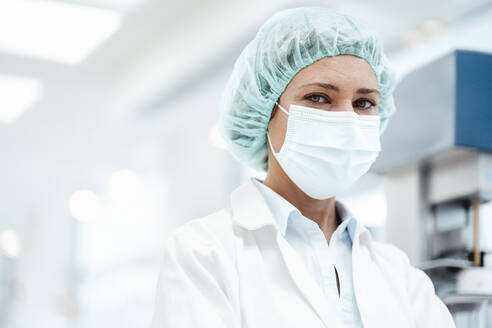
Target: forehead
[{"x": 341, "y": 69}]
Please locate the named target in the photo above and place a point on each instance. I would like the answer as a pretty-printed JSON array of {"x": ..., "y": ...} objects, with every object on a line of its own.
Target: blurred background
[{"x": 108, "y": 142}]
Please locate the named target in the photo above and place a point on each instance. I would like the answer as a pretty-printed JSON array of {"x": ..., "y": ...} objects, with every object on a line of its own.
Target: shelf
[
  {"x": 466, "y": 299},
  {"x": 445, "y": 264}
]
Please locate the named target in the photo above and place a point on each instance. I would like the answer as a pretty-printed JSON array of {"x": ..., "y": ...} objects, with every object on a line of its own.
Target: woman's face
[{"x": 339, "y": 83}]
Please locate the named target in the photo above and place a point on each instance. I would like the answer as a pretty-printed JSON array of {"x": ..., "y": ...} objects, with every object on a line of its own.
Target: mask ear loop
[
  {"x": 271, "y": 146},
  {"x": 282, "y": 109},
  {"x": 268, "y": 135}
]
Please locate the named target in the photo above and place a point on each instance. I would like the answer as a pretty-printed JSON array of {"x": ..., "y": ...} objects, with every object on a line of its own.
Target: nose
[{"x": 343, "y": 106}]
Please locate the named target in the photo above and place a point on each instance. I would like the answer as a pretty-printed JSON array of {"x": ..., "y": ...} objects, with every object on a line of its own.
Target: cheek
[
  {"x": 372, "y": 111},
  {"x": 277, "y": 128},
  {"x": 376, "y": 110},
  {"x": 280, "y": 124}
]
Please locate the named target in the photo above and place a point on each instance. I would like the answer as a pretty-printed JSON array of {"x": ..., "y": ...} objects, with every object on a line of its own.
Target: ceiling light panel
[{"x": 54, "y": 30}]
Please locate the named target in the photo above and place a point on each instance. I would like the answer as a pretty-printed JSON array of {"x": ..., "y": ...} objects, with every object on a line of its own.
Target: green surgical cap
[{"x": 288, "y": 41}]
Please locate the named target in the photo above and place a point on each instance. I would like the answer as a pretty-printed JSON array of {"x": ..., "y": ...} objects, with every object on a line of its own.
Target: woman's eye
[
  {"x": 316, "y": 98},
  {"x": 364, "y": 103}
]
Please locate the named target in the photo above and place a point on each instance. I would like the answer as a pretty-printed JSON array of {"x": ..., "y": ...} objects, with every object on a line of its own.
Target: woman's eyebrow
[
  {"x": 329, "y": 86},
  {"x": 366, "y": 91},
  {"x": 323, "y": 85}
]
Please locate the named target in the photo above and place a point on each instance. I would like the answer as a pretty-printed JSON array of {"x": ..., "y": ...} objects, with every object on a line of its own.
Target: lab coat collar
[
  {"x": 249, "y": 208},
  {"x": 252, "y": 212},
  {"x": 281, "y": 209}
]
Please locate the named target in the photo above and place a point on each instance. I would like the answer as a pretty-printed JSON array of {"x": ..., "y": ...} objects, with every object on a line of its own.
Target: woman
[{"x": 307, "y": 102}]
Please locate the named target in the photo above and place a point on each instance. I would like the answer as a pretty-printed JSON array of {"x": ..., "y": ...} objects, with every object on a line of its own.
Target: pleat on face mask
[{"x": 326, "y": 115}]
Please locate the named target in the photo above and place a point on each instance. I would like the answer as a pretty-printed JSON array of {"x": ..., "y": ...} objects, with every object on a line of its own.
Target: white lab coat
[{"x": 233, "y": 269}]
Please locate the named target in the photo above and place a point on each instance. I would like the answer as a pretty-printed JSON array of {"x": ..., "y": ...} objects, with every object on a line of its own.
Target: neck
[{"x": 320, "y": 211}]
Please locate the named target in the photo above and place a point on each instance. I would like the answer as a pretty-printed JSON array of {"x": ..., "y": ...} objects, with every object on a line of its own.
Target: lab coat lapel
[
  {"x": 307, "y": 285},
  {"x": 378, "y": 305},
  {"x": 251, "y": 212}
]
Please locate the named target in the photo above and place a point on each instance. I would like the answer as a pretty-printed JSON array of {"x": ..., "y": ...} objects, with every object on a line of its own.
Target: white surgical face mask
[{"x": 325, "y": 152}]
